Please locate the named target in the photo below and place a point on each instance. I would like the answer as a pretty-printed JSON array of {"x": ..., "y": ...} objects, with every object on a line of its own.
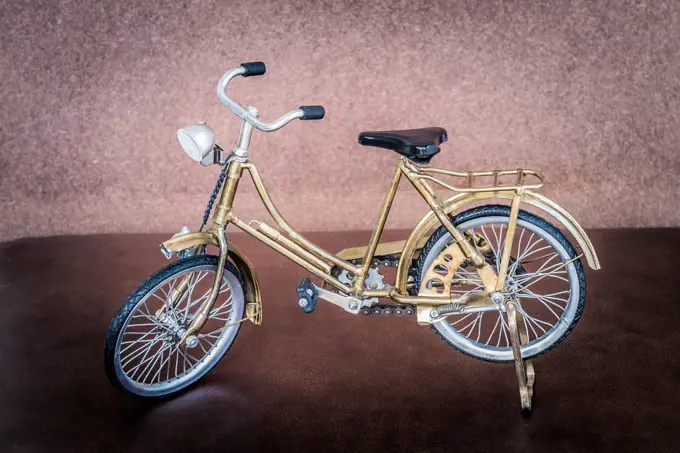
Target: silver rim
[
  {"x": 546, "y": 290},
  {"x": 148, "y": 358}
]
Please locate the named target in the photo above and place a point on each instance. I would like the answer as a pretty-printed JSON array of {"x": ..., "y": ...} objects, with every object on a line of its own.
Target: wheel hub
[
  {"x": 497, "y": 298},
  {"x": 175, "y": 330}
]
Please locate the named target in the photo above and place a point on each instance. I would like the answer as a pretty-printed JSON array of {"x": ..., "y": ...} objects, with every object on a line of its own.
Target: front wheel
[
  {"x": 545, "y": 280},
  {"x": 143, "y": 356}
]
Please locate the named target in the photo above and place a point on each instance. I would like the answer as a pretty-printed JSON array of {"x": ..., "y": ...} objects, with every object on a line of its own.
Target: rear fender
[{"x": 455, "y": 202}]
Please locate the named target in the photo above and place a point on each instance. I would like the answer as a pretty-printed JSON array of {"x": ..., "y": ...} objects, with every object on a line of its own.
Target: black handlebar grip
[
  {"x": 253, "y": 68},
  {"x": 312, "y": 112}
]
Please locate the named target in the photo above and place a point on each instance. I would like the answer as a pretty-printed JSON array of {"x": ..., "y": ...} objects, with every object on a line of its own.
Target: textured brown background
[{"x": 92, "y": 93}]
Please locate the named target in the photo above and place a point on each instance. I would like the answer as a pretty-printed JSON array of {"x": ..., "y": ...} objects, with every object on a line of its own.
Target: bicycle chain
[
  {"x": 378, "y": 261},
  {"x": 389, "y": 310},
  {"x": 382, "y": 309},
  {"x": 216, "y": 190}
]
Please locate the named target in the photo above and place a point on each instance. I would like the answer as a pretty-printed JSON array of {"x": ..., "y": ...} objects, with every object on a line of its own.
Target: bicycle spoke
[
  {"x": 547, "y": 303},
  {"x": 133, "y": 342},
  {"x": 523, "y": 258},
  {"x": 214, "y": 334},
  {"x": 190, "y": 293},
  {"x": 536, "y": 322},
  {"x": 501, "y": 245},
  {"x": 176, "y": 363},
  {"x": 554, "y": 275},
  {"x": 541, "y": 270},
  {"x": 146, "y": 317},
  {"x": 145, "y": 334},
  {"x": 220, "y": 310},
  {"x": 488, "y": 340},
  {"x": 147, "y": 312},
  {"x": 142, "y": 347},
  {"x": 565, "y": 264},
  {"x": 479, "y": 326},
  {"x": 145, "y": 360},
  {"x": 207, "y": 340},
  {"x": 461, "y": 319},
  {"x": 158, "y": 297},
  {"x": 519, "y": 243},
  {"x": 462, "y": 292},
  {"x": 167, "y": 369},
  {"x": 205, "y": 296},
  {"x": 160, "y": 368},
  {"x": 472, "y": 323},
  {"x": 500, "y": 331},
  {"x": 551, "y": 298},
  {"x": 488, "y": 241},
  {"x": 522, "y": 254},
  {"x": 149, "y": 367},
  {"x": 186, "y": 356},
  {"x": 200, "y": 343},
  {"x": 504, "y": 328},
  {"x": 145, "y": 348},
  {"x": 155, "y": 324}
]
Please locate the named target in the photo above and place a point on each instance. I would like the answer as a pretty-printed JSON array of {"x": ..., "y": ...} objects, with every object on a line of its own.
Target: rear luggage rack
[{"x": 497, "y": 180}]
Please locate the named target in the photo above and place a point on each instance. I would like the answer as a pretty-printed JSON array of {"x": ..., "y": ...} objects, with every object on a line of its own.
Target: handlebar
[
  {"x": 254, "y": 69},
  {"x": 314, "y": 112}
]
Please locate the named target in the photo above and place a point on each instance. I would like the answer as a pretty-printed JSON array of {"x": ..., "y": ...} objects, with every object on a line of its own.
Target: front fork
[
  {"x": 204, "y": 313},
  {"x": 219, "y": 225},
  {"x": 178, "y": 293}
]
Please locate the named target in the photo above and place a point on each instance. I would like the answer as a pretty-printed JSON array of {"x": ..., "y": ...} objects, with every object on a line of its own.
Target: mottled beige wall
[{"x": 91, "y": 94}]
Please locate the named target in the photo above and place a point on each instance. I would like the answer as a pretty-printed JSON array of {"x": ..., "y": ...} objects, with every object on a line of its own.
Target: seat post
[{"x": 380, "y": 226}]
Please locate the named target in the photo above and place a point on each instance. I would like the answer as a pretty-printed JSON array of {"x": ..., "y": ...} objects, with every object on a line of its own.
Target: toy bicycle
[{"x": 494, "y": 281}]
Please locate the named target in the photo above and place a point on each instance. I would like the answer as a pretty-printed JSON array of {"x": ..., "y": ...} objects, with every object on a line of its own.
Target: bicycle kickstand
[{"x": 526, "y": 375}]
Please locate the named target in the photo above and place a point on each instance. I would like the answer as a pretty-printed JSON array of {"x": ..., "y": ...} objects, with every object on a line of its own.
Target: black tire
[
  {"x": 504, "y": 211},
  {"x": 119, "y": 320}
]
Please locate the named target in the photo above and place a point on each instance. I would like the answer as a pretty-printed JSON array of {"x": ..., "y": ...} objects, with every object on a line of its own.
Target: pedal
[{"x": 308, "y": 296}]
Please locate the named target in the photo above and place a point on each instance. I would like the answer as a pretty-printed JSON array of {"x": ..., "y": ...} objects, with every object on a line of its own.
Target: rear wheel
[
  {"x": 143, "y": 355},
  {"x": 544, "y": 279}
]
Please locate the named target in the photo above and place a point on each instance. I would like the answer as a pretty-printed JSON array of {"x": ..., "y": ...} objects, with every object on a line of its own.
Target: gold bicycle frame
[
  {"x": 433, "y": 300},
  {"x": 320, "y": 262},
  {"x": 313, "y": 258}
]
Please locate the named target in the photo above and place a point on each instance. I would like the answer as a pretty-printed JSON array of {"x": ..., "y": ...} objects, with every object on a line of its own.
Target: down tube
[{"x": 281, "y": 222}]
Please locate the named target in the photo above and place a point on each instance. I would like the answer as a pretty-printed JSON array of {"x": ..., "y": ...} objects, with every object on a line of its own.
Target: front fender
[
  {"x": 455, "y": 202},
  {"x": 251, "y": 290}
]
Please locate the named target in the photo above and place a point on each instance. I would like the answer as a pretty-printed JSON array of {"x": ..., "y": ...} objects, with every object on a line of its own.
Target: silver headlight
[{"x": 197, "y": 140}]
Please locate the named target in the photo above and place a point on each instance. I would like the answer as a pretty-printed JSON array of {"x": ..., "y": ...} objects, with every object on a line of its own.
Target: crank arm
[{"x": 347, "y": 303}]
